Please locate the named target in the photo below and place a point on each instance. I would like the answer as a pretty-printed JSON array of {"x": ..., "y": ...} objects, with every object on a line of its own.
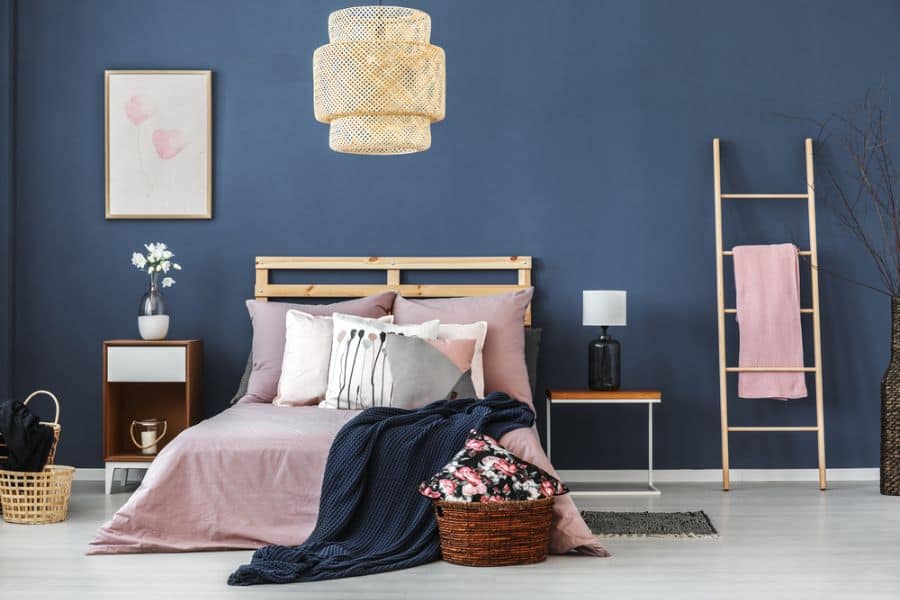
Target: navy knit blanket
[{"x": 371, "y": 516}]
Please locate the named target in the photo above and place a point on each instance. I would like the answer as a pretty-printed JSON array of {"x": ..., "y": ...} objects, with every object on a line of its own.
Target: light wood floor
[{"x": 776, "y": 541}]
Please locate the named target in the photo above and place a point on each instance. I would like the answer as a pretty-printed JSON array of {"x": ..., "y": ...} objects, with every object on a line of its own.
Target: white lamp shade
[{"x": 603, "y": 307}]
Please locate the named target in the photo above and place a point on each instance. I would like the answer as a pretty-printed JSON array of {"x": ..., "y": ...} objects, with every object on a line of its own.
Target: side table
[{"x": 648, "y": 397}]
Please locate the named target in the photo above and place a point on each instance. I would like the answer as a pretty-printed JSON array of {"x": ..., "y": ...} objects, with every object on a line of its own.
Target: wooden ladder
[{"x": 724, "y": 369}]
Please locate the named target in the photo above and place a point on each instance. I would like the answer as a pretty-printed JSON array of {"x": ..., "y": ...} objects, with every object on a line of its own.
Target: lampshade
[
  {"x": 603, "y": 307},
  {"x": 379, "y": 83}
]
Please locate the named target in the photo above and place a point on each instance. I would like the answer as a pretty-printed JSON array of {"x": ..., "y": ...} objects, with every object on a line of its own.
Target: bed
[{"x": 251, "y": 475}]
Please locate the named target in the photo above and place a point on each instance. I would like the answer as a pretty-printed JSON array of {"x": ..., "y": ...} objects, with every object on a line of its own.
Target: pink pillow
[
  {"x": 268, "y": 320},
  {"x": 504, "y": 346}
]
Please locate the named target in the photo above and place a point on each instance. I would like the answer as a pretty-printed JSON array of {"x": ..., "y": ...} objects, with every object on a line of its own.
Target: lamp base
[{"x": 604, "y": 359}]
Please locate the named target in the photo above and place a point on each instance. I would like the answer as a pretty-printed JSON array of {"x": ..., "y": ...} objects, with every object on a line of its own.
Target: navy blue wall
[
  {"x": 7, "y": 190},
  {"x": 578, "y": 132}
]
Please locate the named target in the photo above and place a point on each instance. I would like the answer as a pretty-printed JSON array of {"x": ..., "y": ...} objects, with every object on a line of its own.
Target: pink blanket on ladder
[{"x": 767, "y": 281}]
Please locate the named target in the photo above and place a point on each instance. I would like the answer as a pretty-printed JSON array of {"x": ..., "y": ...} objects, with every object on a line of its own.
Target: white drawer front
[{"x": 146, "y": 363}]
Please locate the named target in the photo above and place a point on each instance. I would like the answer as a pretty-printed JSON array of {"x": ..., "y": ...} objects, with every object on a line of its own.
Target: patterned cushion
[
  {"x": 485, "y": 471},
  {"x": 425, "y": 371},
  {"x": 359, "y": 375}
]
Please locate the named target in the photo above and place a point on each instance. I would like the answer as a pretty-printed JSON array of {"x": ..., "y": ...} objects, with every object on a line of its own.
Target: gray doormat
[{"x": 643, "y": 524}]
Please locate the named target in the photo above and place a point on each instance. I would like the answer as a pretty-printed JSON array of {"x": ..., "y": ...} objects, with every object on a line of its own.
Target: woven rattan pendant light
[{"x": 379, "y": 83}]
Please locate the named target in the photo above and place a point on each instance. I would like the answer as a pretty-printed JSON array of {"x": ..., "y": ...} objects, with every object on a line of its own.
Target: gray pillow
[
  {"x": 423, "y": 374},
  {"x": 532, "y": 345},
  {"x": 245, "y": 379}
]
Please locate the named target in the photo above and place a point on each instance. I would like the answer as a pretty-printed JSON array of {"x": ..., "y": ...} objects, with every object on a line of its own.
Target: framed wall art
[{"x": 158, "y": 144}]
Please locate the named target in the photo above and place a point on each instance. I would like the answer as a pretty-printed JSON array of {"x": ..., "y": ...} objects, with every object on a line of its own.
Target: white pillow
[
  {"x": 470, "y": 331},
  {"x": 359, "y": 375},
  {"x": 307, "y": 355}
]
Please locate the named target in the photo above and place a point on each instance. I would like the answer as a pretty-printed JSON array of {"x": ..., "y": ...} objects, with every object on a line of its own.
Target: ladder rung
[
  {"x": 812, "y": 428},
  {"x": 806, "y": 311},
  {"x": 750, "y": 196},
  {"x": 770, "y": 369},
  {"x": 801, "y": 253}
]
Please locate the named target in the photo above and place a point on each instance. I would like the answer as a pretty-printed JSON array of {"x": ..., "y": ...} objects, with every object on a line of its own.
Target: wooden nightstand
[
  {"x": 141, "y": 380},
  {"x": 648, "y": 397}
]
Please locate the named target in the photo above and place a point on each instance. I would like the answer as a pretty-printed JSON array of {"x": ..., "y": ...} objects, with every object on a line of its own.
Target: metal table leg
[
  {"x": 548, "y": 427},
  {"x": 650, "y": 447}
]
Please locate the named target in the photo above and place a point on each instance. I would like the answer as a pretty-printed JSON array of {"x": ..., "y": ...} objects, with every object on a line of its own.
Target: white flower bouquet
[{"x": 157, "y": 260}]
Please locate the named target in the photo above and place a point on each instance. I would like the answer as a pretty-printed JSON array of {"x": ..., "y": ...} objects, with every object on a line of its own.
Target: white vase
[{"x": 153, "y": 327}]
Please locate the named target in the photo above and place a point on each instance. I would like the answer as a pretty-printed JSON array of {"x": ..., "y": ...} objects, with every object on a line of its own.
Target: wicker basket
[
  {"x": 498, "y": 534},
  {"x": 51, "y": 456},
  {"x": 36, "y": 498},
  {"x": 4, "y": 454}
]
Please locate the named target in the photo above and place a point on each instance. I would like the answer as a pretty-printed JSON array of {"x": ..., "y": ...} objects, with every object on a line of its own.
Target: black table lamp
[{"x": 603, "y": 308}]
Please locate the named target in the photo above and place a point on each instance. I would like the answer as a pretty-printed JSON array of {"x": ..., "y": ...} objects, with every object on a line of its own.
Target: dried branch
[
  {"x": 844, "y": 277},
  {"x": 863, "y": 192}
]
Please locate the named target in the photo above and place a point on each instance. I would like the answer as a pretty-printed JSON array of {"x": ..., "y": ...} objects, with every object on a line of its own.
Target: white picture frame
[{"x": 158, "y": 132}]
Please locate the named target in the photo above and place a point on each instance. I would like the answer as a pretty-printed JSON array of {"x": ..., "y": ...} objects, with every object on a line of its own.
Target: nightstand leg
[
  {"x": 108, "y": 477},
  {"x": 650, "y": 445},
  {"x": 548, "y": 427}
]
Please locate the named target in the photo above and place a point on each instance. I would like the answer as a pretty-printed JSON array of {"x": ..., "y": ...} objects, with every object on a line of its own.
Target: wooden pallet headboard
[{"x": 393, "y": 266}]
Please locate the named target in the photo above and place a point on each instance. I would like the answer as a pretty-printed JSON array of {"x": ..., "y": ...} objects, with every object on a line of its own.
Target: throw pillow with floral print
[{"x": 485, "y": 471}]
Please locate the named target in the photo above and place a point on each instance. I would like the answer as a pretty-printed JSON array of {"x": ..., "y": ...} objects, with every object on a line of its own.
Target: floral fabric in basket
[{"x": 485, "y": 471}]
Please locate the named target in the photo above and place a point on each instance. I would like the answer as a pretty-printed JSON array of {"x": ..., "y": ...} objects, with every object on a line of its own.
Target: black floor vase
[{"x": 890, "y": 411}]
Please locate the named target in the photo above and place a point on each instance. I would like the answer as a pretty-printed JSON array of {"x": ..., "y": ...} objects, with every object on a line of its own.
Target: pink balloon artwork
[
  {"x": 135, "y": 110},
  {"x": 168, "y": 143}
]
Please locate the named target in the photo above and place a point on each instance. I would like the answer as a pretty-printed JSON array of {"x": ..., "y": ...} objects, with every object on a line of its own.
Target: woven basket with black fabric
[
  {"x": 494, "y": 534},
  {"x": 16, "y": 484}
]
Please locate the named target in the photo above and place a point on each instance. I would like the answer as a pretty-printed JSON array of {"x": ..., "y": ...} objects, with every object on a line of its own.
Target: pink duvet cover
[{"x": 251, "y": 476}]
